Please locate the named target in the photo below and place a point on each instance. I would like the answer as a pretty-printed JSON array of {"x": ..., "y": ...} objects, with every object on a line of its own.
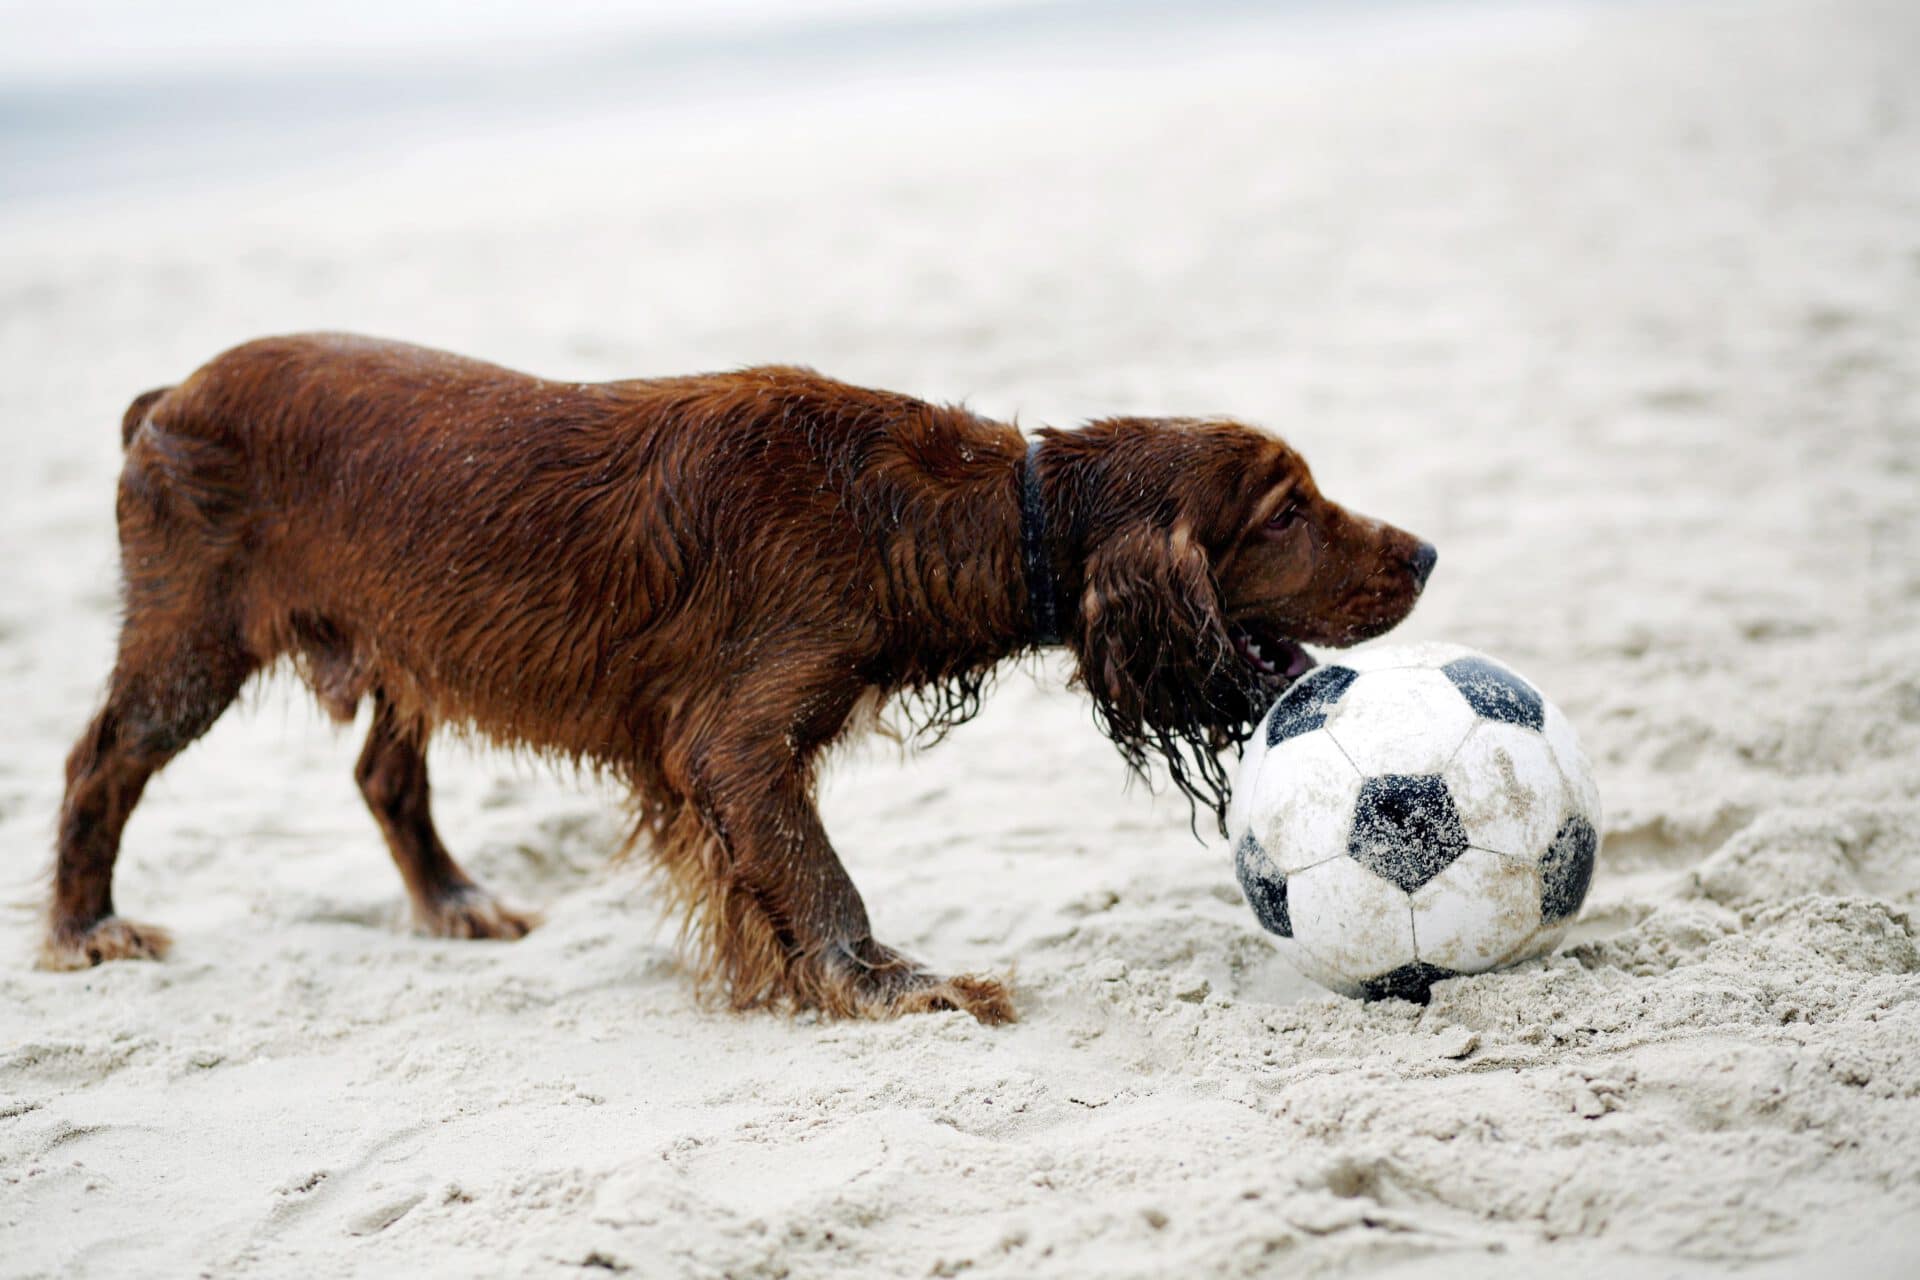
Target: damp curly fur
[{"x": 692, "y": 585}]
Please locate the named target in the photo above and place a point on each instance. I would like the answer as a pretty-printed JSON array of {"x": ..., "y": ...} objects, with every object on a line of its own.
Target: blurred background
[{"x": 110, "y": 94}]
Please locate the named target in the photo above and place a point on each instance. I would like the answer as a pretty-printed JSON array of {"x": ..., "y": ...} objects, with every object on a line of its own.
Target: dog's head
[{"x": 1201, "y": 557}]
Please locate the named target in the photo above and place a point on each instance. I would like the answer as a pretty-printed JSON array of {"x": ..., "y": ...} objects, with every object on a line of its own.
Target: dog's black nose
[{"x": 1424, "y": 558}]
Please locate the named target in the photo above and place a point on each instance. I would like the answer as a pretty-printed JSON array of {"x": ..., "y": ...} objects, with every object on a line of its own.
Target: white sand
[{"x": 1620, "y": 306}]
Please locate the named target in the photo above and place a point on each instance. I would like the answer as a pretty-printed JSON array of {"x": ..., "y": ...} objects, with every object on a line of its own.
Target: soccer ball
[{"x": 1412, "y": 813}]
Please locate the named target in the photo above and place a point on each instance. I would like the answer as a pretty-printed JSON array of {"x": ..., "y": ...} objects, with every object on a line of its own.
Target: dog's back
[{"x": 515, "y": 553}]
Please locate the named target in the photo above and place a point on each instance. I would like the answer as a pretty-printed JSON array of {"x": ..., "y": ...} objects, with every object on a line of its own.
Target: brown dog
[{"x": 691, "y": 583}]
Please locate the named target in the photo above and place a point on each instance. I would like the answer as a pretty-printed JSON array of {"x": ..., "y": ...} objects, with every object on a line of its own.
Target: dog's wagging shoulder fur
[{"x": 689, "y": 583}]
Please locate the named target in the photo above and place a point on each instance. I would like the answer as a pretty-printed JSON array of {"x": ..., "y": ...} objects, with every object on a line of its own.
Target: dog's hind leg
[
  {"x": 182, "y": 660},
  {"x": 392, "y": 774},
  {"x": 178, "y": 669}
]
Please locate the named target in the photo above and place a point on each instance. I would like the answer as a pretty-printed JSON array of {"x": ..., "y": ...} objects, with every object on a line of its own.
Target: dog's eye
[{"x": 1285, "y": 518}]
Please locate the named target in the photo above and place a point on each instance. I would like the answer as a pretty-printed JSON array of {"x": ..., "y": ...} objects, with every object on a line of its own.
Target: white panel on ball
[
  {"x": 1574, "y": 765},
  {"x": 1355, "y": 924},
  {"x": 1240, "y": 803},
  {"x": 1393, "y": 657},
  {"x": 1408, "y": 722},
  {"x": 1303, "y": 798},
  {"x": 1472, "y": 915},
  {"x": 1507, "y": 789},
  {"x": 1538, "y": 943}
]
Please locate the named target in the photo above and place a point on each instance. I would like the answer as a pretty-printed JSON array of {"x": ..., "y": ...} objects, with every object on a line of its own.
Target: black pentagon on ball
[
  {"x": 1567, "y": 869},
  {"x": 1266, "y": 890},
  {"x": 1305, "y": 706},
  {"x": 1406, "y": 829},
  {"x": 1412, "y": 982},
  {"x": 1496, "y": 692}
]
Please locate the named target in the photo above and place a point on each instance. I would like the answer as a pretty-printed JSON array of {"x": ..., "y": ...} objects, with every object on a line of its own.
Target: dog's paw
[
  {"x": 472, "y": 913},
  {"x": 82, "y": 947},
  {"x": 987, "y": 999},
  {"x": 868, "y": 980}
]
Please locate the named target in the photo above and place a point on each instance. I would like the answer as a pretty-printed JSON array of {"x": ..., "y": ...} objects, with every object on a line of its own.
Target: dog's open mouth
[{"x": 1278, "y": 660}]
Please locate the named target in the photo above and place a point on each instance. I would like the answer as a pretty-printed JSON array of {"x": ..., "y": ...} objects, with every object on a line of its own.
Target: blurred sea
[{"x": 104, "y": 98}]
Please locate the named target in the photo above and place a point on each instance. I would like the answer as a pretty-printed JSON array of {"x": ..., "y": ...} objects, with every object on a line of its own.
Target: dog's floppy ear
[{"x": 1155, "y": 656}]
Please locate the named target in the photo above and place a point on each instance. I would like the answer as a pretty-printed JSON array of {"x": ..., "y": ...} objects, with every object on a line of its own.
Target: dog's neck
[{"x": 1043, "y": 587}]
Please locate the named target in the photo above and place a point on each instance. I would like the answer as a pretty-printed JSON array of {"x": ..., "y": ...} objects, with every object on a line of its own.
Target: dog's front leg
[{"x": 782, "y": 920}]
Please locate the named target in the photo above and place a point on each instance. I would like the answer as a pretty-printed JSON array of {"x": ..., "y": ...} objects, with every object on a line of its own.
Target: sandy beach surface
[{"x": 1618, "y": 304}]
